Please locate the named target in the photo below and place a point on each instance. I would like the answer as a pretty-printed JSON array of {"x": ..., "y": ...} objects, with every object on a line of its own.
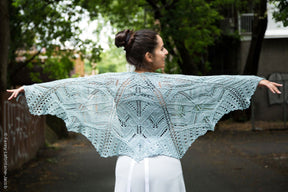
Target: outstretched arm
[
  {"x": 15, "y": 92},
  {"x": 272, "y": 86}
]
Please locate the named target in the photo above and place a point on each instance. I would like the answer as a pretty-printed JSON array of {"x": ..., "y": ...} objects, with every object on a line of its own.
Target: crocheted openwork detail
[{"x": 141, "y": 115}]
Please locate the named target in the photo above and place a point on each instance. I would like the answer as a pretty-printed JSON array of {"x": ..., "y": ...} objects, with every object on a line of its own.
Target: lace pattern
[{"x": 141, "y": 115}]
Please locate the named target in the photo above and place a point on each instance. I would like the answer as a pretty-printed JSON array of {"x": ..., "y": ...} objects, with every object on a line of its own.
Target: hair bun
[{"x": 122, "y": 38}]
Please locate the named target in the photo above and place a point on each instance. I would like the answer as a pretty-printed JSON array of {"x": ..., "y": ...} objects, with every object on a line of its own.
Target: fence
[{"x": 21, "y": 134}]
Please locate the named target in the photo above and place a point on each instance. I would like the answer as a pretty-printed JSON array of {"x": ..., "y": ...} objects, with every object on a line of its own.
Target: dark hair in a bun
[
  {"x": 137, "y": 44},
  {"x": 122, "y": 38}
]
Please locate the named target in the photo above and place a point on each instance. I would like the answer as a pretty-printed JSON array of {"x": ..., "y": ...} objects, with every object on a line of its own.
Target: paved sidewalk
[{"x": 223, "y": 161}]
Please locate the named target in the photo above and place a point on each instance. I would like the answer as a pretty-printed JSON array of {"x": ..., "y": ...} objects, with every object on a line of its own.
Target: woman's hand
[
  {"x": 15, "y": 92},
  {"x": 272, "y": 86}
]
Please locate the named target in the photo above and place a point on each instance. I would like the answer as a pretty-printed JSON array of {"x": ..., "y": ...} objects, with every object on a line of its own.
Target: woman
[{"x": 147, "y": 119}]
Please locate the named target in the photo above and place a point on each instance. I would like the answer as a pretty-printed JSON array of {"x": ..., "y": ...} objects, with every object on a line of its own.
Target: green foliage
[
  {"x": 172, "y": 66},
  {"x": 186, "y": 26},
  {"x": 193, "y": 23},
  {"x": 58, "y": 67},
  {"x": 121, "y": 13},
  {"x": 282, "y": 13},
  {"x": 87, "y": 67},
  {"x": 43, "y": 21},
  {"x": 35, "y": 77},
  {"x": 112, "y": 60},
  {"x": 50, "y": 25}
]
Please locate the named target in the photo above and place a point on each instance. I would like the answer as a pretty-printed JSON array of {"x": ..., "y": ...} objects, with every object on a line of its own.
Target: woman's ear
[{"x": 148, "y": 57}]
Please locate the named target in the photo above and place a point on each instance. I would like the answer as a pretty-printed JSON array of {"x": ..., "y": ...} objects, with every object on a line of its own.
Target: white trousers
[{"x": 155, "y": 174}]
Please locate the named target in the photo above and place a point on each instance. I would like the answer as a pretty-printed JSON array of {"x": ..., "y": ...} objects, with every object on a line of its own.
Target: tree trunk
[
  {"x": 187, "y": 65},
  {"x": 251, "y": 68},
  {"x": 258, "y": 32},
  {"x": 4, "y": 43}
]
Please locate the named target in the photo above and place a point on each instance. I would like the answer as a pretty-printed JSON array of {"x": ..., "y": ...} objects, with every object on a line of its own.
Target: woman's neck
[
  {"x": 147, "y": 70},
  {"x": 141, "y": 71},
  {"x": 145, "y": 67}
]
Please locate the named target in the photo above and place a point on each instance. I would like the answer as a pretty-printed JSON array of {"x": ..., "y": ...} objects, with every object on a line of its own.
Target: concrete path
[{"x": 221, "y": 161}]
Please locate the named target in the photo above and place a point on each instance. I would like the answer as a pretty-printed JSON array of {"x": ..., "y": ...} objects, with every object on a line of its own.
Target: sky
[
  {"x": 274, "y": 29},
  {"x": 89, "y": 27}
]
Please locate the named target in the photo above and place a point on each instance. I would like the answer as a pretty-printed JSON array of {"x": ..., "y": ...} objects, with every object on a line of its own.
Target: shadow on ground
[{"x": 242, "y": 161}]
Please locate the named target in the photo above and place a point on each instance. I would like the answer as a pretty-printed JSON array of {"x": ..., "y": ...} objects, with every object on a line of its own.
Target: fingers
[
  {"x": 275, "y": 90},
  {"x": 14, "y": 94},
  {"x": 275, "y": 84},
  {"x": 273, "y": 87},
  {"x": 11, "y": 97}
]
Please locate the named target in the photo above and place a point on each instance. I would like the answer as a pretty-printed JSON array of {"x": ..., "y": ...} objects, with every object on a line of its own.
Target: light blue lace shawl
[{"x": 141, "y": 115}]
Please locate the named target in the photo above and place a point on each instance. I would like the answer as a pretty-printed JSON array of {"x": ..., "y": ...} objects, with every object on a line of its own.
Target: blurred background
[{"x": 45, "y": 40}]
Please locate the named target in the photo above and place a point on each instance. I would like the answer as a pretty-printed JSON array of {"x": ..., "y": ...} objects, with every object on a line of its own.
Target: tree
[
  {"x": 41, "y": 24},
  {"x": 113, "y": 60},
  {"x": 258, "y": 31},
  {"x": 188, "y": 27},
  {"x": 4, "y": 43},
  {"x": 281, "y": 15}
]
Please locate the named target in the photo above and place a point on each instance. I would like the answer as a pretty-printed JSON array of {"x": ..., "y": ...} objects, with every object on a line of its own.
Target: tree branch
[
  {"x": 153, "y": 4},
  {"x": 164, "y": 2},
  {"x": 156, "y": 9},
  {"x": 24, "y": 64},
  {"x": 174, "y": 2}
]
